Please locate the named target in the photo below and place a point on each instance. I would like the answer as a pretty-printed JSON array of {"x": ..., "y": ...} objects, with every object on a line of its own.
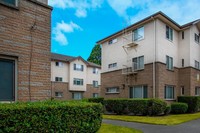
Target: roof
[
  {"x": 160, "y": 15},
  {"x": 66, "y": 58}
]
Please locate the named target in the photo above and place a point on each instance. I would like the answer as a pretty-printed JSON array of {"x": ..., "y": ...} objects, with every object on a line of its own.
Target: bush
[
  {"x": 117, "y": 106},
  {"x": 97, "y": 100},
  {"x": 138, "y": 106},
  {"x": 50, "y": 116},
  {"x": 167, "y": 110},
  {"x": 179, "y": 108},
  {"x": 193, "y": 103},
  {"x": 156, "y": 107}
]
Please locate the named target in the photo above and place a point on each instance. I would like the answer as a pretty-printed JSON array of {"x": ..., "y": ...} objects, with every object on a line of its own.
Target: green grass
[
  {"x": 159, "y": 120},
  {"x": 108, "y": 128}
]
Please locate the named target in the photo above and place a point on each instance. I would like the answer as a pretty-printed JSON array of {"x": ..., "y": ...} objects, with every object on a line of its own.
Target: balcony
[{"x": 128, "y": 70}]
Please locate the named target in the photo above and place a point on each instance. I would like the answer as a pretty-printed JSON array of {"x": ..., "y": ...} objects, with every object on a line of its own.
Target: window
[
  {"x": 169, "y": 62},
  {"x": 58, "y": 94},
  {"x": 95, "y": 84},
  {"x": 59, "y": 79},
  {"x": 95, "y": 70},
  {"x": 112, "y": 90},
  {"x": 59, "y": 64},
  {"x": 112, "y": 41},
  {"x": 169, "y": 33},
  {"x": 196, "y": 64},
  {"x": 138, "y": 63},
  {"x": 138, "y": 92},
  {"x": 138, "y": 34},
  {"x": 78, "y": 67},
  {"x": 182, "y": 62},
  {"x": 78, "y": 81},
  {"x": 10, "y": 2},
  {"x": 182, "y": 91},
  {"x": 77, "y": 95},
  {"x": 183, "y": 36},
  {"x": 95, "y": 95},
  {"x": 169, "y": 92},
  {"x": 196, "y": 38},
  {"x": 113, "y": 65},
  {"x": 197, "y": 91}
]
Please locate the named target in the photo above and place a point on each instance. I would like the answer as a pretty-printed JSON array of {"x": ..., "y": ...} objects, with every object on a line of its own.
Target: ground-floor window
[
  {"x": 138, "y": 91},
  {"x": 169, "y": 92},
  {"x": 95, "y": 95},
  {"x": 59, "y": 94},
  {"x": 112, "y": 90},
  {"x": 197, "y": 91},
  {"x": 77, "y": 95}
]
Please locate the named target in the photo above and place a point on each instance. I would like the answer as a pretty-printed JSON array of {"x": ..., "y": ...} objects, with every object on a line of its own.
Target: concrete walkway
[{"x": 188, "y": 127}]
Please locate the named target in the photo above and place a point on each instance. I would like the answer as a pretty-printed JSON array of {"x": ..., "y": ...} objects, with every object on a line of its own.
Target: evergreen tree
[{"x": 95, "y": 55}]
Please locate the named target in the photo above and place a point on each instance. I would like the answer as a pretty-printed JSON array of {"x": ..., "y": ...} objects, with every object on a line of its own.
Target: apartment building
[
  {"x": 25, "y": 32},
  {"x": 153, "y": 58},
  {"x": 74, "y": 78}
]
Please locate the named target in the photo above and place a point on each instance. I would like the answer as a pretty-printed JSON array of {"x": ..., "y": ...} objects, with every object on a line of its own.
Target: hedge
[
  {"x": 50, "y": 117},
  {"x": 192, "y": 101},
  {"x": 96, "y": 100},
  {"x": 136, "y": 106},
  {"x": 179, "y": 108}
]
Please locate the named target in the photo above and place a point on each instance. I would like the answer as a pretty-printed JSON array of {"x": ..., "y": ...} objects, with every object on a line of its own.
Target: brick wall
[
  {"x": 16, "y": 39},
  {"x": 91, "y": 90}
]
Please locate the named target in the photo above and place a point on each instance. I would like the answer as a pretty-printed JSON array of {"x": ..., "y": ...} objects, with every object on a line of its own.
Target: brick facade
[
  {"x": 23, "y": 30},
  {"x": 178, "y": 77}
]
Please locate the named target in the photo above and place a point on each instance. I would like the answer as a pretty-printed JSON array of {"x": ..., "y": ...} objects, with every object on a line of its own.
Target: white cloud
[
  {"x": 81, "y": 7},
  {"x": 61, "y": 29},
  {"x": 182, "y": 11}
]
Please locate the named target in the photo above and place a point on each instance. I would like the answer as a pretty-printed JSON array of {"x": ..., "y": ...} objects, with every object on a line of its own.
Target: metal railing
[{"x": 130, "y": 69}]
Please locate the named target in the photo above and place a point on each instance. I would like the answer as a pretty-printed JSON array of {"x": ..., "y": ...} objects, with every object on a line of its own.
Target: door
[{"x": 7, "y": 80}]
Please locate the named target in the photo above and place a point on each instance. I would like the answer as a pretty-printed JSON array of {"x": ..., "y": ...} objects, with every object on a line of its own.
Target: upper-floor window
[
  {"x": 59, "y": 79},
  {"x": 112, "y": 65},
  {"x": 169, "y": 62},
  {"x": 78, "y": 81},
  {"x": 196, "y": 38},
  {"x": 59, "y": 64},
  {"x": 196, "y": 64},
  {"x": 95, "y": 83},
  {"x": 169, "y": 33},
  {"x": 10, "y": 2},
  {"x": 169, "y": 92},
  {"x": 112, "y": 90},
  {"x": 183, "y": 36},
  {"x": 138, "y": 63},
  {"x": 197, "y": 91},
  {"x": 112, "y": 41},
  {"x": 78, "y": 67},
  {"x": 138, "y": 34},
  {"x": 95, "y": 70}
]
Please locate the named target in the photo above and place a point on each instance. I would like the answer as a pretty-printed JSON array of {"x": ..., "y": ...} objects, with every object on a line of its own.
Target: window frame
[
  {"x": 59, "y": 64},
  {"x": 95, "y": 95},
  {"x": 165, "y": 92},
  {"x": 95, "y": 70},
  {"x": 112, "y": 41},
  {"x": 169, "y": 33},
  {"x": 144, "y": 90},
  {"x": 196, "y": 64},
  {"x": 10, "y": 5},
  {"x": 78, "y": 67},
  {"x": 182, "y": 90},
  {"x": 112, "y": 65},
  {"x": 169, "y": 66},
  {"x": 112, "y": 88},
  {"x": 79, "y": 97},
  {"x": 95, "y": 84},
  {"x": 59, "y": 79},
  {"x": 197, "y": 91},
  {"x": 137, "y": 63},
  {"x": 57, "y": 94},
  {"x": 136, "y": 34},
  {"x": 196, "y": 38},
  {"x": 78, "y": 82}
]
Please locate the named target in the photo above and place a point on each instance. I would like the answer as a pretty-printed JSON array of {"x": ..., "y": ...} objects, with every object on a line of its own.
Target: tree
[{"x": 95, "y": 55}]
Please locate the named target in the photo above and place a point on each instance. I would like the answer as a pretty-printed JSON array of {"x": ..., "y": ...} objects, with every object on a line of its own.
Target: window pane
[
  {"x": 11, "y": 2},
  {"x": 138, "y": 92},
  {"x": 145, "y": 92},
  {"x": 141, "y": 62}
]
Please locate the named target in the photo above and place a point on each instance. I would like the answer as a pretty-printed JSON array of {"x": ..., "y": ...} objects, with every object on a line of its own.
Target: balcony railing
[
  {"x": 130, "y": 69},
  {"x": 131, "y": 39}
]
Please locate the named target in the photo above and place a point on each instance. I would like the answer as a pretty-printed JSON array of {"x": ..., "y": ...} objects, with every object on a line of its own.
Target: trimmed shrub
[
  {"x": 138, "y": 106},
  {"x": 167, "y": 110},
  {"x": 96, "y": 100},
  {"x": 117, "y": 106},
  {"x": 156, "y": 107},
  {"x": 179, "y": 108},
  {"x": 50, "y": 117},
  {"x": 193, "y": 103}
]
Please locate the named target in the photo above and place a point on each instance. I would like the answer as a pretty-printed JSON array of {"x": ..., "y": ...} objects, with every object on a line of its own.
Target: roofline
[{"x": 147, "y": 19}]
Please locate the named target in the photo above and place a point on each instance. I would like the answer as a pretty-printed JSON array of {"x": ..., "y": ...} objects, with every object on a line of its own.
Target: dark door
[{"x": 7, "y": 80}]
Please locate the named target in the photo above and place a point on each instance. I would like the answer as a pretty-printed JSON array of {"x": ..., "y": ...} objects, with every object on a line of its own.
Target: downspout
[{"x": 154, "y": 61}]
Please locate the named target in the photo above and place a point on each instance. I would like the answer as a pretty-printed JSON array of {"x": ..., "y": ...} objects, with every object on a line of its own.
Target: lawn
[
  {"x": 158, "y": 120},
  {"x": 108, "y": 128}
]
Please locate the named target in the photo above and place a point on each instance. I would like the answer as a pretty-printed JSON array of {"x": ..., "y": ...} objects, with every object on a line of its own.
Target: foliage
[
  {"x": 95, "y": 55},
  {"x": 192, "y": 101},
  {"x": 179, "y": 108},
  {"x": 96, "y": 100},
  {"x": 158, "y": 120},
  {"x": 50, "y": 116},
  {"x": 156, "y": 106},
  {"x": 138, "y": 106},
  {"x": 167, "y": 110},
  {"x": 108, "y": 128}
]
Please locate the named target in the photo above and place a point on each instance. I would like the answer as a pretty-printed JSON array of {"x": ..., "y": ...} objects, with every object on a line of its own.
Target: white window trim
[
  {"x": 133, "y": 35},
  {"x": 198, "y": 37},
  {"x": 116, "y": 92},
  {"x": 10, "y": 5},
  {"x": 171, "y": 40},
  {"x": 169, "y": 99}
]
